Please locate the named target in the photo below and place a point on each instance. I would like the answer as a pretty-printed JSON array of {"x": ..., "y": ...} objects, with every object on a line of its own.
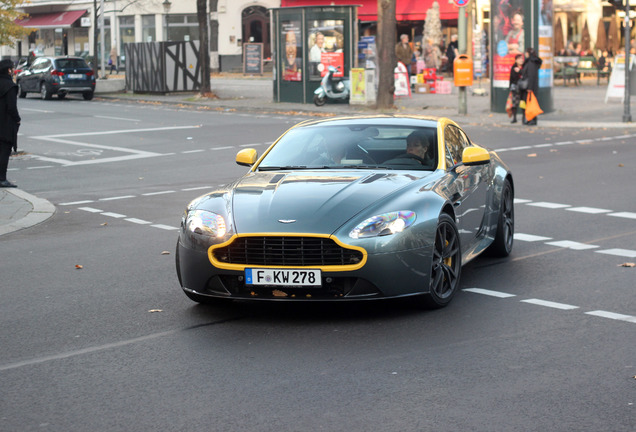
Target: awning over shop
[
  {"x": 405, "y": 10},
  {"x": 52, "y": 20}
]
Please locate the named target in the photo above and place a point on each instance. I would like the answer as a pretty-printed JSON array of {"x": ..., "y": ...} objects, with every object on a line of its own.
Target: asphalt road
[{"x": 543, "y": 340}]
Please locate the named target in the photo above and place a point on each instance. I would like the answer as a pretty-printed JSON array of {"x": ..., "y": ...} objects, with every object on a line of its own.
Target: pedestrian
[
  {"x": 530, "y": 73},
  {"x": 451, "y": 52},
  {"x": 404, "y": 53},
  {"x": 515, "y": 76},
  {"x": 112, "y": 61},
  {"x": 9, "y": 119}
]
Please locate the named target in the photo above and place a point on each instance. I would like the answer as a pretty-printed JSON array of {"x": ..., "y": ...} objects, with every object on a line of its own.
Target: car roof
[{"x": 380, "y": 120}]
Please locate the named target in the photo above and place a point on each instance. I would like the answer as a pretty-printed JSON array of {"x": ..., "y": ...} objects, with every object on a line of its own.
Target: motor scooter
[{"x": 330, "y": 88}]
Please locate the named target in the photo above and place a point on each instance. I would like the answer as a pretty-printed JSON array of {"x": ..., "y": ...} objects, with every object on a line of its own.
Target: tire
[
  {"x": 504, "y": 237},
  {"x": 61, "y": 95},
  {"x": 88, "y": 95},
  {"x": 320, "y": 100},
  {"x": 446, "y": 265},
  {"x": 45, "y": 91},
  {"x": 21, "y": 93}
]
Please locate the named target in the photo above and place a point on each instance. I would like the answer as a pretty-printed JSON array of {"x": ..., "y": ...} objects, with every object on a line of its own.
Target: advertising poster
[
  {"x": 507, "y": 37},
  {"x": 325, "y": 43},
  {"x": 292, "y": 62},
  {"x": 546, "y": 75},
  {"x": 358, "y": 93}
]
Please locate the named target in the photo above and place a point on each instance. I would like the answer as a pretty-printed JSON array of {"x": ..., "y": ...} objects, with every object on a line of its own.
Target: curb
[{"x": 42, "y": 210}]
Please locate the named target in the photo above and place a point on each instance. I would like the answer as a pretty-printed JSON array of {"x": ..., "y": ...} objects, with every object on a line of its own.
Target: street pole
[
  {"x": 103, "y": 42},
  {"x": 627, "y": 116},
  {"x": 461, "y": 48}
]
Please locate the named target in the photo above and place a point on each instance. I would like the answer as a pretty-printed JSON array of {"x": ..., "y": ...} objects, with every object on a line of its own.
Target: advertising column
[{"x": 515, "y": 26}]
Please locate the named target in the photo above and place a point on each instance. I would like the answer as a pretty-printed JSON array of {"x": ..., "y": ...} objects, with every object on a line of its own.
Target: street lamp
[{"x": 166, "y": 5}]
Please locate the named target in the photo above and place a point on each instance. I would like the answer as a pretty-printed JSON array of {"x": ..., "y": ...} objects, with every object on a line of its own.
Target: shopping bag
[
  {"x": 532, "y": 106},
  {"x": 509, "y": 105}
]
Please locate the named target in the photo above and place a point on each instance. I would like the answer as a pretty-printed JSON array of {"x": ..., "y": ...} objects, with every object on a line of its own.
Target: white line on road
[
  {"x": 618, "y": 252},
  {"x": 548, "y": 205},
  {"x": 117, "y": 118},
  {"x": 627, "y": 215},
  {"x": 114, "y": 215},
  {"x": 192, "y": 151},
  {"x": 158, "y": 193},
  {"x": 76, "y": 203},
  {"x": 588, "y": 210},
  {"x": 549, "y": 304},
  {"x": 165, "y": 227},
  {"x": 120, "y": 131},
  {"x": 612, "y": 315},
  {"x": 40, "y": 167},
  {"x": 90, "y": 209},
  {"x": 530, "y": 237},
  {"x": 572, "y": 245},
  {"x": 117, "y": 198},
  {"x": 138, "y": 221},
  {"x": 196, "y": 188},
  {"x": 497, "y": 294}
]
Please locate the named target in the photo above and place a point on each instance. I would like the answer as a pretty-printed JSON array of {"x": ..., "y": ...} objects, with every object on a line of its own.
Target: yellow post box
[{"x": 463, "y": 71}]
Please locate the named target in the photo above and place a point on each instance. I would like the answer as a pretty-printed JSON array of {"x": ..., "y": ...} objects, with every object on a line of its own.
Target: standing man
[
  {"x": 9, "y": 119},
  {"x": 452, "y": 51},
  {"x": 404, "y": 53}
]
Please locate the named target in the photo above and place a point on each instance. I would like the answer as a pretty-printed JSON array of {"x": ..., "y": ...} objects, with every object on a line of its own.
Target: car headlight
[
  {"x": 384, "y": 224},
  {"x": 205, "y": 223}
]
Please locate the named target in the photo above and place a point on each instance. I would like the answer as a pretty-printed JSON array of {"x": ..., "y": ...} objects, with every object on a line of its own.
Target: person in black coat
[
  {"x": 9, "y": 119},
  {"x": 515, "y": 76},
  {"x": 530, "y": 72}
]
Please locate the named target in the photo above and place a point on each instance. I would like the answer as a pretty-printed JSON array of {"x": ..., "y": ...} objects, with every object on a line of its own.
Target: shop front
[{"x": 56, "y": 33}]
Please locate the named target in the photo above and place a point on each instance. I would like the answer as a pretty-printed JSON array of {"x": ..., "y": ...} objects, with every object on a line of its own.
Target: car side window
[{"x": 455, "y": 141}]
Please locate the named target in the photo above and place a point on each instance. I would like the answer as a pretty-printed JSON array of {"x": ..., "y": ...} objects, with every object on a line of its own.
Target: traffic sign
[{"x": 461, "y": 3}]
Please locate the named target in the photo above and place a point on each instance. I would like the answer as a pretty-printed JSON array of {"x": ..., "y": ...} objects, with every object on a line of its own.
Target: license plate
[
  {"x": 75, "y": 76},
  {"x": 282, "y": 277}
]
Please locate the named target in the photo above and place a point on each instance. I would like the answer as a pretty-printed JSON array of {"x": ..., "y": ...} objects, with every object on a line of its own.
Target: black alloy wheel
[
  {"x": 446, "y": 265},
  {"x": 45, "y": 91},
  {"x": 502, "y": 245},
  {"x": 87, "y": 95}
]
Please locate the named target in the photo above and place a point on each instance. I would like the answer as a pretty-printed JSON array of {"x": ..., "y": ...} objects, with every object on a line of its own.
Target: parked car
[
  {"x": 57, "y": 75},
  {"x": 355, "y": 208}
]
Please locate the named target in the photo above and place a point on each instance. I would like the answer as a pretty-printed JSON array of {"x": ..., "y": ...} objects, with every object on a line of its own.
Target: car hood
[{"x": 309, "y": 201}]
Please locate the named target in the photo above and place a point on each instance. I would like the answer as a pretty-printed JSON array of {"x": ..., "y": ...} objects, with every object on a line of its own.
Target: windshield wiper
[{"x": 282, "y": 168}]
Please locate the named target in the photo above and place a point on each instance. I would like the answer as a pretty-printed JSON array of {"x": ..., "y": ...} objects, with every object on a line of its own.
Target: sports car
[{"x": 350, "y": 208}]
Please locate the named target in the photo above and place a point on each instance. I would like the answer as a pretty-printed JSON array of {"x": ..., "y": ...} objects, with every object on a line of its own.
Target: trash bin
[{"x": 463, "y": 71}]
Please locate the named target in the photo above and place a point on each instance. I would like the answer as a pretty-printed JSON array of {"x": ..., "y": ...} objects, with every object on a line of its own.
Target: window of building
[
  {"x": 126, "y": 35},
  {"x": 181, "y": 27},
  {"x": 148, "y": 28}
]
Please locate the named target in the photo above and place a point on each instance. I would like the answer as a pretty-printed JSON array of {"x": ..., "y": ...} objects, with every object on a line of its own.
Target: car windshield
[
  {"x": 71, "y": 63},
  {"x": 354, "y": 147}
]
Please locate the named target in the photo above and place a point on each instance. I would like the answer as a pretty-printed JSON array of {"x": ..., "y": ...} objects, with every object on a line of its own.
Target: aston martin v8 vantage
[{"x": 351, "y": 208}]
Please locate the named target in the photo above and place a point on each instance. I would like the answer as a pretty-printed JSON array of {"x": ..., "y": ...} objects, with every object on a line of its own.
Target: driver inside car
[{"x": 417, "y": 152}]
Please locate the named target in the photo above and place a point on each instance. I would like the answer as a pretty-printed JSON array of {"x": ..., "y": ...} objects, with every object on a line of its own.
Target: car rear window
[{"x": 71, "y": 63}]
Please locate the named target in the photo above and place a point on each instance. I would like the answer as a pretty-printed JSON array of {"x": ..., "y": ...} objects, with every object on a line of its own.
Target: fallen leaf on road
[
  {"x": 79, "y": 267},
  {"x": 621, "y": 165},
  {"x": 165, "y": 253},
  {"x": 155, "y": 310},
  {"x": 105, "y": 223},
  {"x": 532, "y": 155},
  {"x": 627, "y": 265}
]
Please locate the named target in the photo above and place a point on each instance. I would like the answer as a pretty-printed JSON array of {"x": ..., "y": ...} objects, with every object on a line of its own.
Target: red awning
[
  {"x": 52, "y": 20},
  {"x": 405, "y": 10}
]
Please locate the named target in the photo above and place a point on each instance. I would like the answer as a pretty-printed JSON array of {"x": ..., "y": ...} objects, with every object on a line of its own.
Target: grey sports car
[{"x": 352, "y": 208}]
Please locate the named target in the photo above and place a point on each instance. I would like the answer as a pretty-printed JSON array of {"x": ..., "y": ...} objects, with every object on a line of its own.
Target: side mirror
[
  {"x": 247, "y": 157},
  {"x": 475, "y": 156}
]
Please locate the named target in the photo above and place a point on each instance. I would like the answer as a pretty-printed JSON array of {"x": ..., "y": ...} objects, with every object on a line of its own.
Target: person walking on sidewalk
[
  {"x": 530, "y": 72},
  {"x": 515, "y": 76},
  {"x": 9, "y": 118}
]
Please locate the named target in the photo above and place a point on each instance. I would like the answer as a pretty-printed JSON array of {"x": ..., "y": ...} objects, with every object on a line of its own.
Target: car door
[
  {"x": 467, "y": 187},
  {"x": 36, "y": 72}
]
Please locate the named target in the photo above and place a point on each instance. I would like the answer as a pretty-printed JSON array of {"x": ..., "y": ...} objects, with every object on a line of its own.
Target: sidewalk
[{"x": 578, "y": 107}]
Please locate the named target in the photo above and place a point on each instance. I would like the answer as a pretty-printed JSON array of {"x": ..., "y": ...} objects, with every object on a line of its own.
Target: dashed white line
[
  {"x": 165, "y": 227},
  {"x": 548, "y": 205},
  {"x": 138, "y": 221},
  {"x": 612, "y": 315},
  {"x": 627, "y": 215},
  {"x": 114, "y": 215},
  {"x": 196, "y": 188},
  {"x": 567, "y": 244},
  {"x": 158, "y": 193},
  {"x": 192, "y": 151},
  {"x": 222, "y": 148},
  {"x": 76, "y": 203},
  {"x": 589, "y": 210},
  {"x": 497, "y": 294},
  {"x": 618, "y": 252},
  {"x": 117, "y": 198},
  {"x": 550, "y": 304},
  {"x": 40, "y": 167},
  {"x": 530, "y": 237},
  {"x": 90, "y": 209}
]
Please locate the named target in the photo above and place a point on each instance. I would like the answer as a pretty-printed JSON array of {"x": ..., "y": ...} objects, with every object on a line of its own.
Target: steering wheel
[{"x": 414, "y": 157}]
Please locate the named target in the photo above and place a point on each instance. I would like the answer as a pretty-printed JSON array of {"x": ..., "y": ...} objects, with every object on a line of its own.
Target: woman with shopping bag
[
  {"x": 529, "y": 85},
  {"x": 512, "y": 104}
]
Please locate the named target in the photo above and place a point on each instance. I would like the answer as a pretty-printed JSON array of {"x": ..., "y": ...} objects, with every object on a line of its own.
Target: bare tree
[
  {"x": 204, "y": 51},
  {"x": 386, "y": 53}
]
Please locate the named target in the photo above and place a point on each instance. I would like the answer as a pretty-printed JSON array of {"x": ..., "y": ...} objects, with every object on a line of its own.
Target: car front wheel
[
  {"x": 502, "y": 245},
  {"x": 87, "y": 95},
  {"x": 446, "y": 264}
]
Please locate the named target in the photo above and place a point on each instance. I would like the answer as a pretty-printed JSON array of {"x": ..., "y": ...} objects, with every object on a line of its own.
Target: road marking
[
  {"x": 222, "y": 148},
  {"x": 117, "y": 198},
  {"x": 40, "y": 167},
  {"x": 530, "y": 237},
  {"x": 192, "y": 151},
  {"x": 76, "y": 203},
  {"x": 120, "y": 131},
  {"x": 548, "y": 205},
  {"x": 165, "y": 227},
  {"x": 138, "y": 221},
  {"x": 117, "y": 118},
  {"x": 627, "y": 215},
  {"x": 497, "y": 294},
  {"x": 589, "y": 210},
  {"x": 90, "y": 209},
  {"x": 544, "y": 145},
  {"x": 549, "y": 304},
  {"x": 158, "y": 193},
  {"x": 114, "y": 215},
  {"x": 521, "y": 201},
  {"x": 564, "y": 143},
  {"x": 519, "y": 148},
  {"x": 618, "y": 252},
  {"x": 196, "y": 188},
  {"x": 572, "y": 245},
  {"x": 612, "y": 315}
]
